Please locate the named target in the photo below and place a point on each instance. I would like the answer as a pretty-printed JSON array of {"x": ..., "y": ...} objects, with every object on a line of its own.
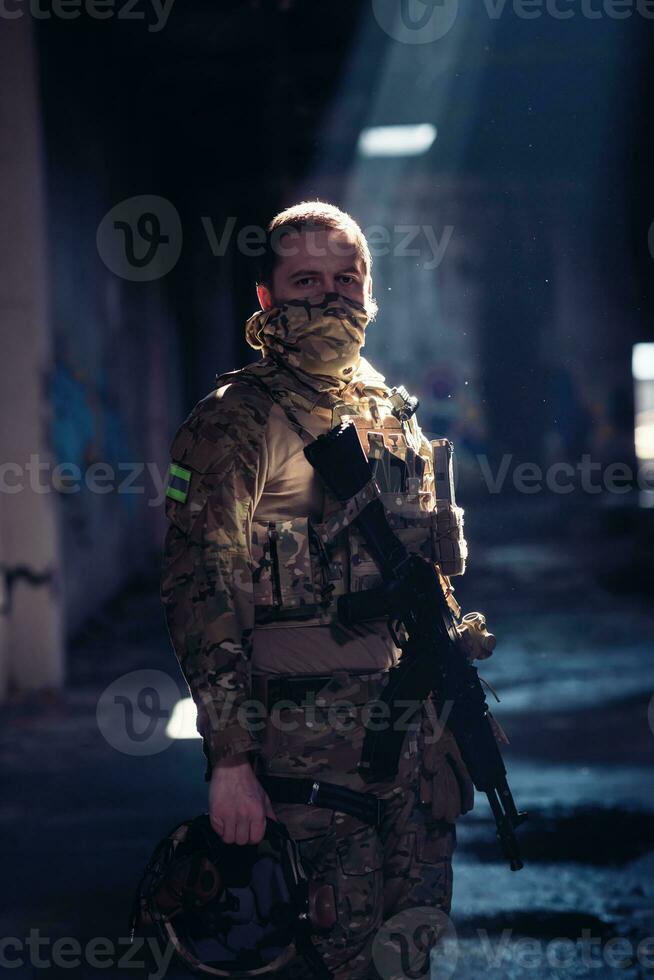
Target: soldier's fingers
[
  {"x": 257, "y": 829},
  {"x": 242, "y": 831},
  {"x": 217, "y": 825},
  {"x": 229, "y": 831}
]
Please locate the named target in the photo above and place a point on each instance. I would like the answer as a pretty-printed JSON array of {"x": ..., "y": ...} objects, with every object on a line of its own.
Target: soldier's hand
[{"x": 238, "y": 804}]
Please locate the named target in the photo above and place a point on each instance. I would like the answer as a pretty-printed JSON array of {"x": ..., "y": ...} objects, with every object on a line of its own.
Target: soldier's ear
[{"x": 265, "y": 297}]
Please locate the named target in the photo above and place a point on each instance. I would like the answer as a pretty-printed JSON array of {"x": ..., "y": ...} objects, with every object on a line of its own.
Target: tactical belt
[{"x": 313, "y": 792}]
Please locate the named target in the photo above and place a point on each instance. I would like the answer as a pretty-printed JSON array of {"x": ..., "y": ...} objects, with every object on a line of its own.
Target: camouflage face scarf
[{"x": 321, "y": 336}]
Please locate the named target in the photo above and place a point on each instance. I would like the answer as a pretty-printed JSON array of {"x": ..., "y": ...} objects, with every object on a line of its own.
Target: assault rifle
[{"x": 432, "y": 659}]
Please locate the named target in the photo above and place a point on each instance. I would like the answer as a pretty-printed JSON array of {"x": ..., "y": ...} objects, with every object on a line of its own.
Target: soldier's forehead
[{"x": 313, "y": 250}]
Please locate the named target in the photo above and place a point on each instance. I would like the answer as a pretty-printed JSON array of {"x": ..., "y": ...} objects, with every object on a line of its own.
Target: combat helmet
[{"x": 232, "y": 910}]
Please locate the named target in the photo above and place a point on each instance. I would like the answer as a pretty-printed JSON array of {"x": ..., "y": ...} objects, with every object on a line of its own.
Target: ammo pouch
[
  {"x": 436, "y": 534},
  {"x": 301, "y": 568}
]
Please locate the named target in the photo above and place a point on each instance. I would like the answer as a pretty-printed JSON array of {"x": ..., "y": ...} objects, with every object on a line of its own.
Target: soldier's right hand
[{"x": 238, "y": 804}]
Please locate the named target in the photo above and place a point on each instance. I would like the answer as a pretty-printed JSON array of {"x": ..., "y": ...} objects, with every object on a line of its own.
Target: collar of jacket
[{"x": 306, "y": 392}]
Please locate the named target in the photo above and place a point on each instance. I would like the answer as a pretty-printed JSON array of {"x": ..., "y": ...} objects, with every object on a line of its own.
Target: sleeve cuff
[{"x": 228, "y": 742}]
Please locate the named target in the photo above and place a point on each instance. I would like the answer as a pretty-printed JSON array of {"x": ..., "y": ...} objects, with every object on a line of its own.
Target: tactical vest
[{"x": 301, "y": 568}]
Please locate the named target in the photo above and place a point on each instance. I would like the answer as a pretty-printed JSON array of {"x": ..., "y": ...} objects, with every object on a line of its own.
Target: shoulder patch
[
  {"x": 222, "y": 432},
  {"x": 179, "y": 479}
]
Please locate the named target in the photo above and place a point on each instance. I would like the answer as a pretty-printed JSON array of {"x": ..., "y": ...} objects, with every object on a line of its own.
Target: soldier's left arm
[{"x": 219, "y": 462}]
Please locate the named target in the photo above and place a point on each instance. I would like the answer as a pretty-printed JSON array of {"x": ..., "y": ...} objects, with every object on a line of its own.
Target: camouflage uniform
[{"x": 217, "y": 602}]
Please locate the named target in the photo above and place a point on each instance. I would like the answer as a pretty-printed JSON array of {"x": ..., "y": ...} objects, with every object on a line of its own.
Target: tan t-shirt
[{"x": 290, "y": 487}]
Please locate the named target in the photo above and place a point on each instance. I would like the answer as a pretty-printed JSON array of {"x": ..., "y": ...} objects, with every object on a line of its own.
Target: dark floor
[{"x": 574, "y": 668}]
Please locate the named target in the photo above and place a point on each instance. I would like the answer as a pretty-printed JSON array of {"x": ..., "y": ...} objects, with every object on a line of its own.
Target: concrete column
[{"x": 31, "y": 634}]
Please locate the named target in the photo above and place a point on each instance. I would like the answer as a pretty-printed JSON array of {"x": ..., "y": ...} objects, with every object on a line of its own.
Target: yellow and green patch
[{"x": 179, "y": 481}]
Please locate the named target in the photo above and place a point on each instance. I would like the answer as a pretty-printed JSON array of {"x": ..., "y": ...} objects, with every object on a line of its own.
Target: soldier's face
[{"x": 313, "y": 262}]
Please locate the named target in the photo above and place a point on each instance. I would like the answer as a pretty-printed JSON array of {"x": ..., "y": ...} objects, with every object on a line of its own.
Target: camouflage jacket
[{"x": 206, "y": 585}]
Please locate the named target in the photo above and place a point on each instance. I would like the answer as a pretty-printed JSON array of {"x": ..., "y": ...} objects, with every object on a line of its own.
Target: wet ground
[{"x": 574, "y": 669}]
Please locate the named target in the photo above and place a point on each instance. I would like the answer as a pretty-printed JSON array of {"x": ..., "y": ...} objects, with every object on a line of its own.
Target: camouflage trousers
[{"x": 375, "y": 873}]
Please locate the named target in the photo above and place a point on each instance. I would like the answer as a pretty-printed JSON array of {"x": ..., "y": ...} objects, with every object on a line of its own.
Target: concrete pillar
[{"x": 31, "y": 635}]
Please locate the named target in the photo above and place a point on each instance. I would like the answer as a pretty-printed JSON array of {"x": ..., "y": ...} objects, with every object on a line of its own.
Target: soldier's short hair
[{"x": 307, "y": 216}]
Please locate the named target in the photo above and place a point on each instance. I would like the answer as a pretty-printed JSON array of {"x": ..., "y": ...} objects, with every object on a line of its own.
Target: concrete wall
[
  {"x": 89, "y": 372},
  {"x": 113, "y": 378},
  {"x": 31, "y": 580}
]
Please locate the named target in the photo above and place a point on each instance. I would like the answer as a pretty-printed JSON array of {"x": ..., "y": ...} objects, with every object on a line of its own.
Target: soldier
[{"x": 256, "y": 554}]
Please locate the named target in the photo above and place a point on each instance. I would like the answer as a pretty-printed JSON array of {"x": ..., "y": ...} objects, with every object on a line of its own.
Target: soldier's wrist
[{"x": 232, "y": 761}]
